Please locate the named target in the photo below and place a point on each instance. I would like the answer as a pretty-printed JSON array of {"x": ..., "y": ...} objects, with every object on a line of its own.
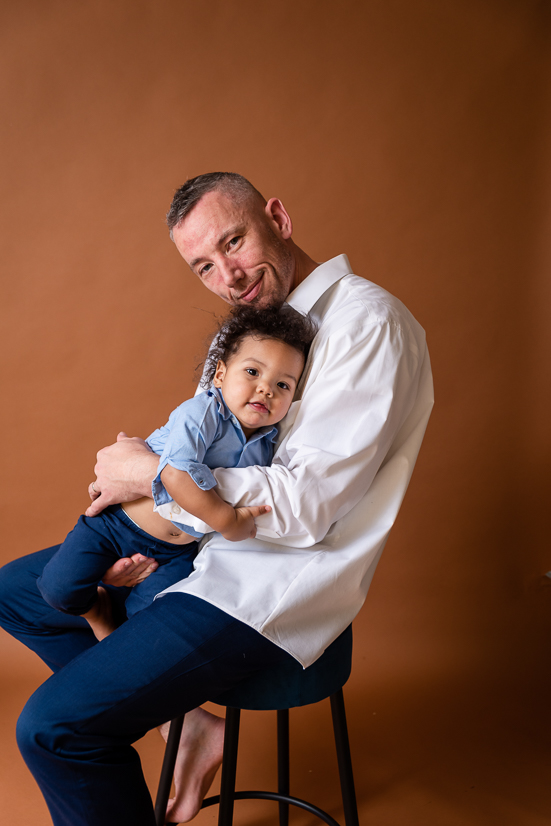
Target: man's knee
[
  {"x": 35, "y": 734},
  {"x": 44, "y": 729},
  {"x": 8, "y": 582},
  {"x": 19, "y": 597},
  {"x": 14, "y": 581}
]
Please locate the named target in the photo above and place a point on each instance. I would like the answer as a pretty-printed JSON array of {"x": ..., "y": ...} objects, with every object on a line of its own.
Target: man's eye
[
  {"x": 204, "y": 270},
  {"x": 252, "y": 371},
  {"x": 234, "y": 241},
  {"x": 283, "y": 385}
]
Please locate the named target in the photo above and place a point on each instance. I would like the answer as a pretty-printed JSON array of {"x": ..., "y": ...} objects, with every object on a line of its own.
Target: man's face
[{"x": 238, "y": 250}]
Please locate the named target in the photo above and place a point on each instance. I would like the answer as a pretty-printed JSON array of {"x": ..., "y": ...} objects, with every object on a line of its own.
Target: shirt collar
[
  {"x": 318, "y": 282},
  {"x": 223, "y": 408}
]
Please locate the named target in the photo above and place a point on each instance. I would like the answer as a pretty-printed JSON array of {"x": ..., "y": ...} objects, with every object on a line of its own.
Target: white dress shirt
[{"x": 344, "y": 459}]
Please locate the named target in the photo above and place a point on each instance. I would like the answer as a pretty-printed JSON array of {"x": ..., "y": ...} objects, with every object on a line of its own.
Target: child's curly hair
[{"x": 282, "y": 324}]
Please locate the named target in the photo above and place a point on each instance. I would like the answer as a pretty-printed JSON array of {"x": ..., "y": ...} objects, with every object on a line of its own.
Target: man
[{"x": 346, "y": 453}]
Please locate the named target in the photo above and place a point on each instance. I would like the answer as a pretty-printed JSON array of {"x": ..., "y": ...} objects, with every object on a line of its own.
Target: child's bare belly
[{"x": 141, "y": 512}]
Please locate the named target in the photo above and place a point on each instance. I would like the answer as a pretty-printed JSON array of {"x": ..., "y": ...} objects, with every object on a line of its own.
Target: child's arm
[{"x": 233, "y": 523}]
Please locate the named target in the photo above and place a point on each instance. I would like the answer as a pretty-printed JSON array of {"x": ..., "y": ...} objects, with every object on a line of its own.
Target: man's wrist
[{"x": 143, "y": 473}]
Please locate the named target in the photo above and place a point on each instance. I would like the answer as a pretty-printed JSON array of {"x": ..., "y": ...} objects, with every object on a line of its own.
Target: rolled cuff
[{"x": 201, "y": 475}]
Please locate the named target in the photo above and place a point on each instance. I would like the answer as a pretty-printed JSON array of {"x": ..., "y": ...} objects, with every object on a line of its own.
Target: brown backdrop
[{"x": 415, "y": 137}]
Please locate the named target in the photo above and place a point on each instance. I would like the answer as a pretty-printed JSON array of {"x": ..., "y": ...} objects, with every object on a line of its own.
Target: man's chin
[
  {"x": 262, "y": 297},
  {"x": 262, "y": 303}
]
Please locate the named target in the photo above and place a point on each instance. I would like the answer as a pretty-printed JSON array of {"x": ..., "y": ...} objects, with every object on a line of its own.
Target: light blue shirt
[{"x": 201, "y": 434}]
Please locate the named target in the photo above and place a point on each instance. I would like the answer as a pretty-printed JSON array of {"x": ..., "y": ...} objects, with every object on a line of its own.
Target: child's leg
[
  {"x": 174, "y": 565},
  {"x": 70, "y": 580}
]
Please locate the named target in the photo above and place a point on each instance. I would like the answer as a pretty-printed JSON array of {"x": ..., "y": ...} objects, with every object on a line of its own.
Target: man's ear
[
  {"x": 278, "y": 215},
  {"x": 220, "y": 373}
]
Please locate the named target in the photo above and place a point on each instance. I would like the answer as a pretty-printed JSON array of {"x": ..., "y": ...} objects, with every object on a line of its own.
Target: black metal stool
[{"x": 278, "y": 689}]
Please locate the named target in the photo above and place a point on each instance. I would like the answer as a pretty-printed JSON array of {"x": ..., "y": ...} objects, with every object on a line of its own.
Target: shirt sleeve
[
  {"x": 190, "y": 431},
  {"x": 157, "y": 439},
  {"x": 363, "y": 384}
]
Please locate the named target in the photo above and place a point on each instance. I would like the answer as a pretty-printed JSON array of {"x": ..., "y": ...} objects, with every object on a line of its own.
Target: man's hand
[
  {"x": 124, "y": 471},
  {"x": 129, "y": 571},
  {"x": 244, "y": 527}
]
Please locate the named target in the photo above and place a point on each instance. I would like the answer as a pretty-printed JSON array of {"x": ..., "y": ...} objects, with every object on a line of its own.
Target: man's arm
[
  {"x": 233, "y": 523},
  {"x": 124, "y": 471},
  {"x": 362, "y": 387}
]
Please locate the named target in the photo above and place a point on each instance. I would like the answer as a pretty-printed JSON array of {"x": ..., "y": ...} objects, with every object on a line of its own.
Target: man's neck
[{"x": 304, "y": 265}]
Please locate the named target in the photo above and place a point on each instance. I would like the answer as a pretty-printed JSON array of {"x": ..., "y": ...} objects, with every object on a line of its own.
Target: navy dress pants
[
  {"x": 76, "y": 731},
  {"x": 70, "y": 579}
]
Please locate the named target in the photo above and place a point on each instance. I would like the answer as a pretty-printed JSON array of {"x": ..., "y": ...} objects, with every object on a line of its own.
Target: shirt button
[{"x": 176, "y": 509}]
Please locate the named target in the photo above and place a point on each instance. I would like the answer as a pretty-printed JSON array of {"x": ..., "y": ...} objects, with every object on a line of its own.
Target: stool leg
[
  {"x": 344, "y": 760},
  {"x": 167, "y": 771},
  {"x": 283, "y": 763},
  {"x": 229, "y": 767}
]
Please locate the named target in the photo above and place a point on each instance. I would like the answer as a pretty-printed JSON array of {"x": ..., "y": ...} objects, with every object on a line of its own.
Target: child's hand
[{"x": 244, "y": 527}]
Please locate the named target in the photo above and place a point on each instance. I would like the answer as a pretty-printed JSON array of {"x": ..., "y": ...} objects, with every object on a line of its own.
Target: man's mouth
[{"x": 252, "y": 291}]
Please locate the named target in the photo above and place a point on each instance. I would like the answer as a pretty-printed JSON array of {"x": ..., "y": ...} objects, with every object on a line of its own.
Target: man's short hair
[{"x": 188, "y": 195}]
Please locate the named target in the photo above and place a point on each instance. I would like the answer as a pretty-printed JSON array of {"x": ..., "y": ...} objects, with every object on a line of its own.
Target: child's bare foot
[{"x": 100, "y": 617}]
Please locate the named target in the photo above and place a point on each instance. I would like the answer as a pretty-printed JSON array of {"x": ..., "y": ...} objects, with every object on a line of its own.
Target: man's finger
[
  {"x": 149, "y": 570},
  {"x": 94, "y": 508},
  {"x": 143, "y": 567},
  {"x": 93, "y": 493},
  {"x": 99, "y": 503}
]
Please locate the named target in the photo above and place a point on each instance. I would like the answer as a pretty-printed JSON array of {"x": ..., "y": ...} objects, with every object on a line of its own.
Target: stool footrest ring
[{"x": 280, "y": 798}]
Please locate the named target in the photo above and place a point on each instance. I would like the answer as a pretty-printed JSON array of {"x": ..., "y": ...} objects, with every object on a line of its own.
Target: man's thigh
[{"x": 166, "y": 660}]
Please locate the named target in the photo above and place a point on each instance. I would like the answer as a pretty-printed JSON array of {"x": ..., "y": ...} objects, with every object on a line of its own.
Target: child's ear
[{"x": 220, "y": 373}]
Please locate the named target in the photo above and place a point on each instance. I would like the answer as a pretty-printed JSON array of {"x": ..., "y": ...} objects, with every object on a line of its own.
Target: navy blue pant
[
  {"x": 70, "y": 579},
  {"x": 76, "y": 731}
]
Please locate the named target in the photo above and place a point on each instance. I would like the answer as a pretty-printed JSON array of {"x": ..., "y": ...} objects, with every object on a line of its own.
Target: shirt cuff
[
  {"x": 200, "y": 474},
  {"x": 175, "y": 514}
]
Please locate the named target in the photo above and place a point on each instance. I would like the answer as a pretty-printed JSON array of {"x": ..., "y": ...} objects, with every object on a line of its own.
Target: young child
[{"x": 251, "y": 372}]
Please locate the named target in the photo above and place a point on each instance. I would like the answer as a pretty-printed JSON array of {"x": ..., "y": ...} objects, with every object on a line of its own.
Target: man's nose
[{"x": 230, "y": 272}]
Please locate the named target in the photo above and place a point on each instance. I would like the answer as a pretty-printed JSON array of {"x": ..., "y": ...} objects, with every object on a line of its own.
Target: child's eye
[
  {"x": 283, "y": 385},
  {"x": 252, "y": 371}
]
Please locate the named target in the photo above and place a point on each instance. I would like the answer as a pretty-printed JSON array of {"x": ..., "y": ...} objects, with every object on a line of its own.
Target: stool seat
[
  {"x": 289, "y": 685},
  {"x": 278, "y": 688}
]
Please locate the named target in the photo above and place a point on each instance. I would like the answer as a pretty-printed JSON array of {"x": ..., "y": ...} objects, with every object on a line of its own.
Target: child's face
[{"x": 259, "y": 381}]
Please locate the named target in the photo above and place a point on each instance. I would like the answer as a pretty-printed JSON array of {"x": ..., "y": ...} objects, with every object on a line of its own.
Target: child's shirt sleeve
[{"x": 184, "y": 441}]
